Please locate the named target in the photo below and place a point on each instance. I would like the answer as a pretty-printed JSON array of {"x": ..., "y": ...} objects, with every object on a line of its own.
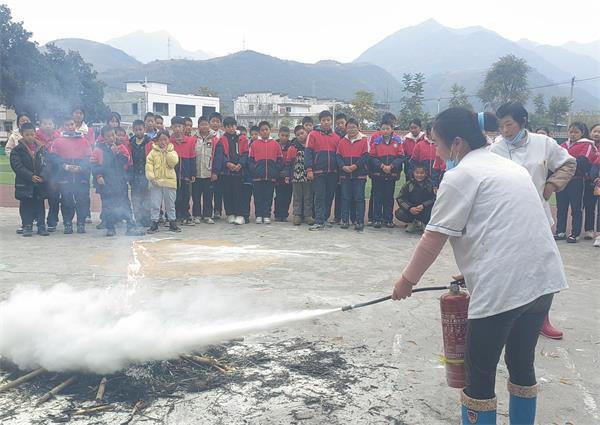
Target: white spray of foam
[{"x": 105, "y": 330}]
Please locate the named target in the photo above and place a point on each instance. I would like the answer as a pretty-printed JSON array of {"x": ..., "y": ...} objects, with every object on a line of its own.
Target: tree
[
  {"x": 412, "y": 101},
  {"x": 506, "y": 81},
  {"x": 205, "y": 91},
  {"x": 53, "y": 81},
  {"x": 363, "y": 106},
  {"x": 459, "y": 98},
  {"x": 557, "y": 109},
  {"x": 540, "y": 104}
]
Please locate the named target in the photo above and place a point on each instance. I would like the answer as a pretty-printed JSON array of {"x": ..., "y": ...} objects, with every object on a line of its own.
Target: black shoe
[
  {"x": 51, "y": 229},
  {"x": 166, "y": 223},
  {"x": 135, "y": 231},
  {"x": 377, "y": 224},
  {"x": 359, "y": 227},
  {"x": 153, "y": 227},
  {"x": 68, "y": 229},
  {"x": 560, "y": 237},
  {"x": 41, "y": 230},
  {"x": 570, "y": 239},
  {"x": 389, "y": 225},
  {"x": 173, "y": 227},
  {"x": 80, "y": 228},
  {"x": 111, "y": 232},
  {"x": 344, "y": 225},
  {"x": 28, "y": 231},
  {"x": 247, "y": 220},
  {"x": 101, "y": 225},
  {"x": 337, "y": 221},
  {"x": 88, "y": 220},
  {"x": 161, "y": 220},
  {"x": 316, "y": 226}
]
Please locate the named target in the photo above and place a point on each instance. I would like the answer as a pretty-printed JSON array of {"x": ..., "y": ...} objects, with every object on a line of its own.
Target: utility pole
[
  {"x": 168, "y": 48},
  {"x": 569, "y": 117}
]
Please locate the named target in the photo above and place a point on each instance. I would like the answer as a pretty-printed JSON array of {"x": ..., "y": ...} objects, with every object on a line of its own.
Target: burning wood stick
[
  {"x": 56, "y": 390},
  {"x": 101, "y": 389},
  {"x": 93, "y": 409},
  {"x": 208, "y": 361},
  {"x": 136, "y": 408},
  {"x": 22, "y": 379}
]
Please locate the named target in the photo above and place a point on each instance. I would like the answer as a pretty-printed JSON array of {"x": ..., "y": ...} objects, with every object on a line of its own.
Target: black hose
[{"x": 389, "y": 297}]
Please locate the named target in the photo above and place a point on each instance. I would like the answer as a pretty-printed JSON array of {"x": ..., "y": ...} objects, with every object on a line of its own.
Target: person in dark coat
[
  {"x": 28, "y": 160},
  {"x": 416, "y": 200}
]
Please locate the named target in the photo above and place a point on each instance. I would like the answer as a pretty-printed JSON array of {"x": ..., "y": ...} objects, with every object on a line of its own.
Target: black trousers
[
  {"x": 324, "y": 186},
  {"x": 371, "y": 199},
  {"x": 182, "y": 200},
  {"x": 217, "y": 197},
  {"x": 406, "y": 217},
  {"x": 517, "y": 332},
  {"x": 31, "y": 209},
  {"x": 263, "y": 198},
  {"x": 589, "y": 206},
  {"x": 231, "y": 187},
  {"x": 570, "y": 196},
  {"x": 53, "y": 206},
  {"x": 110, "y": 209},
  {"x": 337, "y": 206},
  {"x": 383, "y": 202},
  {"x": 202, "y": 196},
  {"x": 246, "y": 199},
  {"x": 353, "y": 200},
  {"x": 283, "y": 198},
  {"x": 75, "y": 199},
  {"x": 140, "y": 200}
]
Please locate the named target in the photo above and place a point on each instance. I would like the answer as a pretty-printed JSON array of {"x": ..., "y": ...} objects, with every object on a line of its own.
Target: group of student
[{"x": 149, "y": 177}]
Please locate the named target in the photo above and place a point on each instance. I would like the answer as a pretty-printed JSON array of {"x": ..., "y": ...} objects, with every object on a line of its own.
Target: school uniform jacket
[
  {"x": 353, "y": 152},
  {"x": 186, "y": 151},
  {"x": 320, "y": 155},
  {"x": 222, "y": 156},
  {"x": 44, "y": 138},
  {"x": 284, "y": 150},
  {"x": 265, "y": 160},
  {"x": 71, "y": 148},
  {"x": 410, "y": 142},
  {"x": 388, "y": 152},
  {"x": 585, "y": 153},
  {"x": 425, "y": 154}
]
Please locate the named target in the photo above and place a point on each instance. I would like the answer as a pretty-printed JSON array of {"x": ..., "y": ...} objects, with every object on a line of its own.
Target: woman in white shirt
[{"x": 490, "y": 210}]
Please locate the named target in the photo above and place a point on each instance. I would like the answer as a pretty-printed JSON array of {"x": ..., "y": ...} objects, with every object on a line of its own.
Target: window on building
[
  {"x": 251, "y": 108},
  {"x": 260, "y": 107},
  {"x": 8, "y": 126},
  {"x": 160, "y": 108},
  {"x": 207, "y": 110},
  {"x": 288, "y": 109},
  {"x": 185, "y": 110},
  {"x": 134, "y": 108}
]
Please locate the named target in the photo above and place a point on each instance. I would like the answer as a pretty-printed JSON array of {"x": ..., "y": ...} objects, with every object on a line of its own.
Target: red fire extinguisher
[{"x": 454, "y": 306}]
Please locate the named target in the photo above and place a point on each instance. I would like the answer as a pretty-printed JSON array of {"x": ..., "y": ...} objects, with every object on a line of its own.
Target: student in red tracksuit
[
  {"x": 414, "y": 136},
  {"x": 589, "y": 199},
  {"x": 353, "y": 160},
  {"x": 265, "y": 162},
  {"x": 585, "y": 153},
  {"x": 321, "y": 167},
  {"x": 425, "y": 154},
  {"x": 387, "y": 156},
  {"x": 185, "y": 146}
]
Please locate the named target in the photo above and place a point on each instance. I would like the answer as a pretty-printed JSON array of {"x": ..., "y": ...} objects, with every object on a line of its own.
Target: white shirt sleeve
[
  {"x": 455, "y": 198},
  {"x": 556, "y": 155}
]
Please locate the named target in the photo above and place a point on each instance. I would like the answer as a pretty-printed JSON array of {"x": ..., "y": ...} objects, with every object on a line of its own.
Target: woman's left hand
[{"x": 402, "y": 289}]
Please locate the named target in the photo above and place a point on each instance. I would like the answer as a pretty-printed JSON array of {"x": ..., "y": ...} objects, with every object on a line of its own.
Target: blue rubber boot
[
  {"x": 480, "y": 412},
  {"x": 521, "y": 407}
]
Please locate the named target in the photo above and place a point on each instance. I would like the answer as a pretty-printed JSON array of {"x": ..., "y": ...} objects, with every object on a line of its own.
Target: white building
[
  {"x": 150, "y": 96},
  {"x": 8, "y": 122},
  {"x": 278, "y": 108}
]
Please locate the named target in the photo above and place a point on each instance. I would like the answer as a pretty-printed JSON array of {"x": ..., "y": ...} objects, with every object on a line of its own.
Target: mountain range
[{"x": 445, "y": 55}]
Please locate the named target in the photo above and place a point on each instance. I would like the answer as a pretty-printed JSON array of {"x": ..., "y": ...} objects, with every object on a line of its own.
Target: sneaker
[
  {"x": 411, "y": 228},
  {"x": 217, "y": 215},
  {"x": 101, "y": 225},
  {"x": 27, "y": 231},
  {"x": 88, "y": 220},
  {"x": 377, "y": 224},
  {"x": 209, "y": 220},
  {"x": 41, "y": 230},
  {"x": 267, "y": 220},
  {"x": 560, "y": 237},
  {"x": 359, "y": 227},
  {"x": 281, "y": 219},
  {"x": 344, "y": 225},
  {"x": 197, "y": 220},
  {"x": 597, "y": 242},
  {"x": 369, "y": 223},
  {"x": 51, "y": 229},
  {"x": 389, "y": 225},
  {"x": 189, "y": 221},
  {"x": 316, "y": 226},
  {"x": 588, "y": 235},
  {"x": 258, "y": 220},
  {"x": 166, "y": 223},
  {"x": 20, "y": 230},
  {"x": 111, "y": 232},
  {"x": 309, "y": 220},
  {"x": 297, "y": 220},
  {"x": 239, "y": 220},
  {"x": 230, "y": 219},
  {"x": 80, "y": 228},
  {"x": 173, "y": 226},
  {"x": 328, "y": 224},
  {"x": 153, "y": 227},
  {"x": 571, "y": 239},
  {"x": 68, "y": 229}
]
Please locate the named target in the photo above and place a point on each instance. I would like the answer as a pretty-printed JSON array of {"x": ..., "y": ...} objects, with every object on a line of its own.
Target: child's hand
[
  {"x": 214, "y": 177},
  {"x": 114, "y": 148},
  {"x": 36, "y": 179},
  {"x": 548, "y": 191},
  {"x": 287, "y": 180},
  {"x": 414, "y": 211},
  {"x": 310, "y": 175},
  {"x": 435, "y": 190},
  {"x": 347, "y": 169},
  {"x": 154, "y": 182},
  {"x": 193, "y": 179},
  {"x": 230, "y": 166},
  {"x": 420, "y": 207},
  {"x": 100, "y": 181},
  {"x": 238, "y": 168}
]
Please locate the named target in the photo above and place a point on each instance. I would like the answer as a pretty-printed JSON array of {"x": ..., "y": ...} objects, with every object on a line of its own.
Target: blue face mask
[
  {"x": 451, "y": 163},
  {"x": 517, "y": 139}
]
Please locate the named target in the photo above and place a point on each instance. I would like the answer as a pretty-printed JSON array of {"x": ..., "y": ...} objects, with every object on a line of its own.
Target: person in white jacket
[{"x": 15, "y": 136}]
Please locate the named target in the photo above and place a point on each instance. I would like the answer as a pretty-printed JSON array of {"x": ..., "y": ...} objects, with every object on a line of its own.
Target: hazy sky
[{"x": 306, "y": 31}]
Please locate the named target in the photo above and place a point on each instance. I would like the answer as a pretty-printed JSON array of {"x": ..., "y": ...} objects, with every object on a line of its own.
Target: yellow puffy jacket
[{"x": 160, "y": 166}]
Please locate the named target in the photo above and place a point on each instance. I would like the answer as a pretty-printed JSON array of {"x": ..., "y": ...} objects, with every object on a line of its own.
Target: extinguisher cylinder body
[{"x": 454, "y": 306}]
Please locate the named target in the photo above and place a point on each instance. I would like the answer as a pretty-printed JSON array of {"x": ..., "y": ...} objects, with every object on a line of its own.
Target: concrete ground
[{"x": 379, "y": 364}]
